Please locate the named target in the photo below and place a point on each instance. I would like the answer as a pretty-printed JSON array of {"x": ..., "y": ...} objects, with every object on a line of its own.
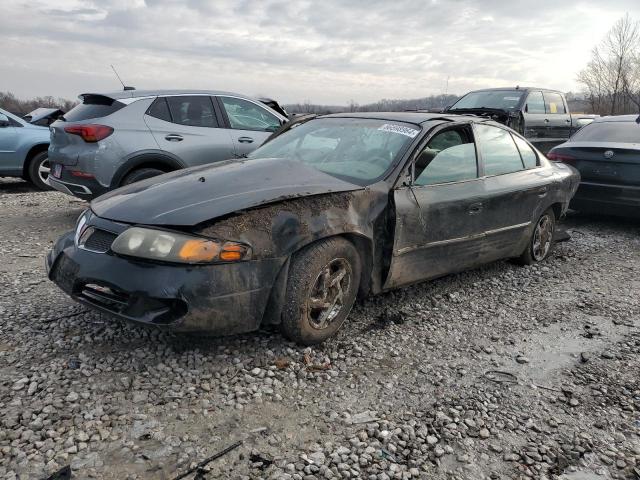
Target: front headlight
[
  {"x": 176, "y": 247},
  {"x": 81, "y": 223}
]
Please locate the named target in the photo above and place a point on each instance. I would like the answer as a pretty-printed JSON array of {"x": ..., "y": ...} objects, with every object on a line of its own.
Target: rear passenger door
[
  {"x": 514, "y": 188},
  {"x": 250, "y": 124},
  {"x": 559, "y": 120},
  {"x": 188, "y": 127}
]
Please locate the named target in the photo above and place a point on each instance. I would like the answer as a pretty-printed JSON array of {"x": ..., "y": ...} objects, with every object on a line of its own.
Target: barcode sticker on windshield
[
  {"x": 511, "y": 98},
  {"x": 407, "y": 131}
]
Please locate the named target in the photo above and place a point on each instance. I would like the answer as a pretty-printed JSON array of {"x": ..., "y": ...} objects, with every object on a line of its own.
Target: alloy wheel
[
  {"x": 542, "y": 238},
  {"x": 327, "y": 295},
  {"x": 44, "y": 169}
]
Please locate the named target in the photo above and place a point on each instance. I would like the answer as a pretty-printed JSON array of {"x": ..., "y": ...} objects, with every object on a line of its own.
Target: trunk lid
[
  {"x": 65, "y": 147},
  {"x": 611, "y": 163}
]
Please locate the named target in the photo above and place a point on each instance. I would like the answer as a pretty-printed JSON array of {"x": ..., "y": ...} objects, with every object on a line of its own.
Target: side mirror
[{"x": 4, "y": 120}]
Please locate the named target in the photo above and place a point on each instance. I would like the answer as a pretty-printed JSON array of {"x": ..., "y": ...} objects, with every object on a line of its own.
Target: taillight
[
  {"x": 90, "y": 133},
  {"x": 561, "y": 157}
]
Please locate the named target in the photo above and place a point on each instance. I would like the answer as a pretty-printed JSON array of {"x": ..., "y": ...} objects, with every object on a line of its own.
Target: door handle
[
  {"x": 475, "y": 208},
  {"x": 568, "y": 120},
  {"x": 174, "y": 137},
  {"x": 245, "y": 140},
  {"x": 546, "y": 120}
]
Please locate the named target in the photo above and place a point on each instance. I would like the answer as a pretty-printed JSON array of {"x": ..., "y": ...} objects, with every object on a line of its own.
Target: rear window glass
[
  {"x": 93, "y": 106},
  {"x": 620, "y": 132},
  {"x": 160, "y": 109},
  {"x": 193, "y": 111},
  {"x": 553, "y": 103},
  {"x": 529, "y": 157}
]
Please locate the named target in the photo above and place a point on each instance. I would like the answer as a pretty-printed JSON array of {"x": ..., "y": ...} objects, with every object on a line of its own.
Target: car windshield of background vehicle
[
  {"x": 356, "y": 150},
  {"x": 610, "y": 132},
  {"x": 500, "y": 99}
]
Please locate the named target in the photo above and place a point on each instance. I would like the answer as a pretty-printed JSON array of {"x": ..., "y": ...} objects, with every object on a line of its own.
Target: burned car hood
[{"x": 198, "y": 194}]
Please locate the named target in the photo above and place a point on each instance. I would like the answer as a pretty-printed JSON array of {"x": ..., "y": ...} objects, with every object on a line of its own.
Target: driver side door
[{"x": 437, "y": 226}]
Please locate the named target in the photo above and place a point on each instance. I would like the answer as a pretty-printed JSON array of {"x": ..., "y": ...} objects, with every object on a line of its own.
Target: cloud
[{"x": 323, "y": 51}]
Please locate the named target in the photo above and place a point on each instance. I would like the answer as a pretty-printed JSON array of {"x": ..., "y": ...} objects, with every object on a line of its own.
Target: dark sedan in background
[
  {"x": 607, "y": 155},
  {"x": 333, "y": 207}
]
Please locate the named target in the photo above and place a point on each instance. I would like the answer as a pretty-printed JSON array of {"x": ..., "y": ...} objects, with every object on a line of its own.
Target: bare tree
[{"x": 612, "y": 69}]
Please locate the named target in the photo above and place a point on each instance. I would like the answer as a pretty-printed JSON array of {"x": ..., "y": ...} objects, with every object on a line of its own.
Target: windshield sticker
[
  {"x": 406, "y": 131},
  {"x": 511, "y": 98}
]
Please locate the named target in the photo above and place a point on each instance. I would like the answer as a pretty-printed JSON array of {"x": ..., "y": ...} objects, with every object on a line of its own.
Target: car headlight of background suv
[{"x": 176, "y": 247}]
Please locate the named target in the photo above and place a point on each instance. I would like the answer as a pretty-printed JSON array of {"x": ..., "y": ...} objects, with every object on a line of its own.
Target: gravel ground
[{"x": 501, "y": 372}]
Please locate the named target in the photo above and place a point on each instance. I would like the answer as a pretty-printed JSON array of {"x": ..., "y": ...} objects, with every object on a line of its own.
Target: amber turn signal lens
[
  {"x": 232, "y": 252},
  {"x": 199, "y": 251}
]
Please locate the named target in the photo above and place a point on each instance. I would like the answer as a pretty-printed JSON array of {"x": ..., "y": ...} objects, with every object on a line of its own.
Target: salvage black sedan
[
  {"x": 607, "y": 155},
  {"x": 332, "y": 208}
]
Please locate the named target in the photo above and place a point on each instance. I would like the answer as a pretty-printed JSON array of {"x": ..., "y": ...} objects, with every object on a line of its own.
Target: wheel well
[
  {"x": 276, "y": 298},
  {"x": 557, "y": 210},
  {"x": 364, "y": 249},
  {"x": 157, "y": 164},
  {"x": 36, "y": 149}
]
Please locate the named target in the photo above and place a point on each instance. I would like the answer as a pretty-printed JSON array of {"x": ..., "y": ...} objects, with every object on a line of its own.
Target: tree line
[
  {"x": 19, "y": 107},
  {"x": 430, "y": 103},
  {"x": 612, "y": 77}
]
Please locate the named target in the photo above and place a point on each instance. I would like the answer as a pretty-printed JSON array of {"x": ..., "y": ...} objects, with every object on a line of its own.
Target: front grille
[{"x": 99, "y": 241}]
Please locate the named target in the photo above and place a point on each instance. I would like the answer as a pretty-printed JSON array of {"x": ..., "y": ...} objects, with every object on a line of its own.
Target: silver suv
[{"x": 110, "y": 140}]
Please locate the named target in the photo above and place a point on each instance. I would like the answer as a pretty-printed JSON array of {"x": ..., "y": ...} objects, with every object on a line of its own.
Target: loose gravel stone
[{"x": 419, "y": 383}]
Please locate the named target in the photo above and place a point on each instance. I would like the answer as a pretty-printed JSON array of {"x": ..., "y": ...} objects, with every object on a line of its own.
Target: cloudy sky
[{"x": 324, "y": 51}]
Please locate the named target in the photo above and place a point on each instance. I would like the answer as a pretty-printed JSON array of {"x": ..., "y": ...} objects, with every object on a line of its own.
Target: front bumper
[
  {"x": 218, "y": 299},
  {"x": 611, "y": 199}
]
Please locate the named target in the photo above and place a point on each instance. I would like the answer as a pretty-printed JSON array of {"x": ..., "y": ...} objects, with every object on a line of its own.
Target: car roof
[
  {"x": 123, "y": 94},
  {"x": 618, "y": 118},
  {"x": 416, "y": 118}
]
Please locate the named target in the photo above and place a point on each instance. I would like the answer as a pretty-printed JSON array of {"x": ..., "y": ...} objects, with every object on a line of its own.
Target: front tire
[
  {"x": 322, "y": 287},
  {"x": 541, "y": 240},
  {"x": 38, "y": 170}
]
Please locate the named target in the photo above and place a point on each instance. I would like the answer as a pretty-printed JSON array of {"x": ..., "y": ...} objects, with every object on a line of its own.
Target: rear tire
[
  {"x": 541, "y": 242},
  {"x": 38, "y": 170},
  {"x": 140, "y": 174},
  {"x": 321, "y": 289}
]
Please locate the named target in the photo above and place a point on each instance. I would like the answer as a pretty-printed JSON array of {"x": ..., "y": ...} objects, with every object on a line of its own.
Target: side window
[
  {"x": 535, "y": 103},
  {"x": 499, "y": 152},
  {"x": 160, "y": 109},
  {"x": 529, "y": 157},
  {"x": 192, "y": 111},
  {"x": 245, "y": 115},
  {"x": 553, "y": 103},
  {"x": 446, "y": 158}
]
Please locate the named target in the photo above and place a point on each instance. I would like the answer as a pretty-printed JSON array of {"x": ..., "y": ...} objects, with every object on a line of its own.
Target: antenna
[{"x": 124, "y": 87}]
